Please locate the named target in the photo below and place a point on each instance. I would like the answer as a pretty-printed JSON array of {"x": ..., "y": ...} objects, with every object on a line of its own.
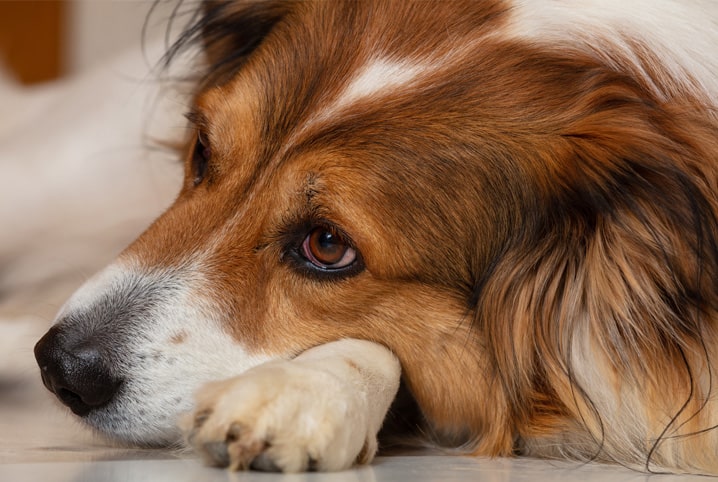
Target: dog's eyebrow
[
  {"x": 311, "y": 187},
  {"x": 196, "y": 118}
]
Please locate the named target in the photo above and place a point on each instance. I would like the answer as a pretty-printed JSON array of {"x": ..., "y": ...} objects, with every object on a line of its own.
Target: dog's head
[{"x": 390, "y": 171}]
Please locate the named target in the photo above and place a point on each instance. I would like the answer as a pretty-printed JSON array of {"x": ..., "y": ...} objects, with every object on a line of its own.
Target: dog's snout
[{"x": 75, "y": 372}]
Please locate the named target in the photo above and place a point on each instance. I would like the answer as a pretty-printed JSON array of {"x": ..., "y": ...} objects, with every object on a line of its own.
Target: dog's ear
[
  {"x": 228, "y": 32},
  {"x": 232, "y": 30}
]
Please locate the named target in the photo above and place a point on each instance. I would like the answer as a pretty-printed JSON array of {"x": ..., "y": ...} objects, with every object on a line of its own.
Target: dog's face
[
  {"x": 419, "y": 177},
  {"x": 325, "y": 197}
]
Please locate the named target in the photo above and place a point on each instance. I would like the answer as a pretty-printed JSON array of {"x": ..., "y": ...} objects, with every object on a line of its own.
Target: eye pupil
[{"x": 327, "y": 247}]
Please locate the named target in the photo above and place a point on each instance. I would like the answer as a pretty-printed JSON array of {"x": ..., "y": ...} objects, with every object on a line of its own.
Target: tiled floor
[{"x": 39, "y": 441}]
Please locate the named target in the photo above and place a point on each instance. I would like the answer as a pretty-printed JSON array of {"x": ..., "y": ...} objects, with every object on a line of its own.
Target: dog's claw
[
  {"x": 216, "y": 453},
  {"x": 244, "y": 453},
  {"x": 264, "y": 463},
  {"x": 233, "y": 433}
]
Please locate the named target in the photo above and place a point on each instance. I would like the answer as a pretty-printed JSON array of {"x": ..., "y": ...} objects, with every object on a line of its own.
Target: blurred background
[
  {"x": 42, "y": 40},
  {"x": 86, "y": 114},
  {"x": 86, "y": 117}
]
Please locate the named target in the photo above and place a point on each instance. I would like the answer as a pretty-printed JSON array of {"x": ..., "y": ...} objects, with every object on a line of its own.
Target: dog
[{"x": 489, "y": 225}]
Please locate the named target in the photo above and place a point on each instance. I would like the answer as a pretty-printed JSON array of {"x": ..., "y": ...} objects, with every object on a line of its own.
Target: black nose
[{"x": 75, "y": 371}]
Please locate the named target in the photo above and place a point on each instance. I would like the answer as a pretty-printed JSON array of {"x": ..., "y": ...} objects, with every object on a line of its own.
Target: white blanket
[{"x": 83, "y": 174}]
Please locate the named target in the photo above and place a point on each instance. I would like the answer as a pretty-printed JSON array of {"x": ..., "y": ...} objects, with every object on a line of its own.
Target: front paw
[{"x": 282, "y": 416}]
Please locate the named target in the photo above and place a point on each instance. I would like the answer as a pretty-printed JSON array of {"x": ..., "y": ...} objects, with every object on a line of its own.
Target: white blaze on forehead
[{"x": 380, "y": 77}]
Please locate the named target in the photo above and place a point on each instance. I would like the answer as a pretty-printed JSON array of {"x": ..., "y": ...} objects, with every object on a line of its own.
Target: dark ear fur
[
  {"x": 627, "y": 258},
  {"x": 228, "y": 32}
]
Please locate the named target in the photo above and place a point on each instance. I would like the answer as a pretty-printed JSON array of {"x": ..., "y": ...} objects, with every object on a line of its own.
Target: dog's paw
[{"x": 282, "y": 416}]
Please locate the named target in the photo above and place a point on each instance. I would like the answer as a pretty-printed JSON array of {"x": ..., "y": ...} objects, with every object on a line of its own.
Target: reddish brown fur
[{"x": 520, "y": 211}]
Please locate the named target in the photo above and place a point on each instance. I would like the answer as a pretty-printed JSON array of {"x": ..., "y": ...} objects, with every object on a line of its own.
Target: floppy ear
[
  {"x": 232, "y": 30},
  {"x": 614, "y": 293},
  {"x": 228, "y": 32}
]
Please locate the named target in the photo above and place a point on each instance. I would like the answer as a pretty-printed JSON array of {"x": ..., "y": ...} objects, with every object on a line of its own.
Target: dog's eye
[
  {"x": 326, "y": 249},
  {"x": 200, "y": 158}
]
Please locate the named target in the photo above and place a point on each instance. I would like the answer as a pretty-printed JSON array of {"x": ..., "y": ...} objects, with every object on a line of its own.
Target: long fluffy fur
[
  {"x": 532, "y": 186},
  {"x": 575, "y": 186}
]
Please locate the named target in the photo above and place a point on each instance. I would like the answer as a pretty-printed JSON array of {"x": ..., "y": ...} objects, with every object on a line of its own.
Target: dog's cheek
[{"x": 426, "y": 327}]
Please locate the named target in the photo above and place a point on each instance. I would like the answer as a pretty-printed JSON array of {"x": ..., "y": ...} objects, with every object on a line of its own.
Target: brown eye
[
  {"x": 200, "y": 158},
  {"x": 326, "y": 249}
]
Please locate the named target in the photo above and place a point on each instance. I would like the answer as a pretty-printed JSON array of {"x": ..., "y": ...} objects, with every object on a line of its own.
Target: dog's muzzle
[
  {"x": 130, "y": 348},
  {"x": 75, "y": 371}
]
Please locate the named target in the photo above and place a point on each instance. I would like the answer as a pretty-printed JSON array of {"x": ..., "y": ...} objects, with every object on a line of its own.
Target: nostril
[
  {"x": 73, "y": 401},
  {"x": 68, "y": 396}
]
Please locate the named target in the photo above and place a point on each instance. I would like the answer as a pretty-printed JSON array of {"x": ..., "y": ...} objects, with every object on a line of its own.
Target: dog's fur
[{"x": 528, "y": 190}]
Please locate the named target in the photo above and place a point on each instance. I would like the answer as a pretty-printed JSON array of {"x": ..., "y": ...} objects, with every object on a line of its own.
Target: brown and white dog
[{"x": 509, "y": 205}]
